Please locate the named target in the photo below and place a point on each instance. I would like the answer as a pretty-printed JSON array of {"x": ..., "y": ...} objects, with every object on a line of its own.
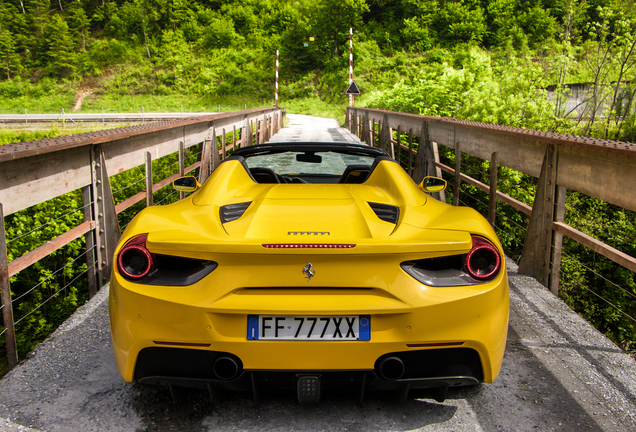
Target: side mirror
[
  {"x": 433, "y": 184},
  {"x": 186, "y": 184}
]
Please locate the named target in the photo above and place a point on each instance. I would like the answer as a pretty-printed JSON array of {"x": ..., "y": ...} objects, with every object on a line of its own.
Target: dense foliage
[
  {"x": 208, "y": 51},
  {"x": 493, "y": 61}
]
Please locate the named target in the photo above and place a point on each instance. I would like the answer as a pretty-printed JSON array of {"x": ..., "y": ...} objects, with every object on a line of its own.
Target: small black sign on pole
[{"x": 353, "y": 89}]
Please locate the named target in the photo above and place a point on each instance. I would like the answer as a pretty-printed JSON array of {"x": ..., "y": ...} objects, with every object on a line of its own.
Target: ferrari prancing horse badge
[{"x": 309, "y": 271}]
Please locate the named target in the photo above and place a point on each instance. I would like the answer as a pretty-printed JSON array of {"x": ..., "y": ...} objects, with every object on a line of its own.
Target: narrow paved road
[
  {"x": 559, "y": 373},
  {"x": 302, "y": 128}
]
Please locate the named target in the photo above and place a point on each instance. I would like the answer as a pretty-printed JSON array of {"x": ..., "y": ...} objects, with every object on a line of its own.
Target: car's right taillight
[
  {"x": 135, "y": 261},
  {"x": 481, "y": 264},
  {"x": 483, "y": 261}
]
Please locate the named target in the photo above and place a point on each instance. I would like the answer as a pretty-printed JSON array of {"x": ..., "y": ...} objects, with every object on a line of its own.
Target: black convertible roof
[{"x": 336, "y": 147}]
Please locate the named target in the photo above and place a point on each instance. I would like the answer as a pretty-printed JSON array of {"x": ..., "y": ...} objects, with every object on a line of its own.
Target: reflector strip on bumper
[{"x": 307, "y": 246}]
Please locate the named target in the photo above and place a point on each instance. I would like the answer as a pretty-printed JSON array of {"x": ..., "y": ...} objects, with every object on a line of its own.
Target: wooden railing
[
  {"x": 601, "y": 169},
  {"x": 36, "y": 171}
]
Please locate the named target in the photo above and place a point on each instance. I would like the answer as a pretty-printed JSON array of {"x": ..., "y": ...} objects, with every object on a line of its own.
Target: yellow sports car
[{"x": 309, "y": 266}]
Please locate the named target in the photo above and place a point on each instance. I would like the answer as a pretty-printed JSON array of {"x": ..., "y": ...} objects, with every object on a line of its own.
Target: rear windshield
[{"x": 312, "y": 167}]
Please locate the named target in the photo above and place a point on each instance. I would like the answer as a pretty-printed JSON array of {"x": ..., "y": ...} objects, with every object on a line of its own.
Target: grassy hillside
[{"x": 164, "y": 55}]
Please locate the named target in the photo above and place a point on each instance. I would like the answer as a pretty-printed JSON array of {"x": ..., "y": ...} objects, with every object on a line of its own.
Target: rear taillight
[
  {"x": 480, "y": 265},
  {"x": 483, "y": 261},
  {"x": 135, "y": 261}
]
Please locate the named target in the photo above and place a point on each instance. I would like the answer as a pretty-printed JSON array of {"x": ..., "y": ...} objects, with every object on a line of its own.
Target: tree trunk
[
  {"x": 146, "y": 42},
  {"x": 335, "y": 43},
  {"x": 625, "y": 66},
  {"x": 143, "y": 25}
]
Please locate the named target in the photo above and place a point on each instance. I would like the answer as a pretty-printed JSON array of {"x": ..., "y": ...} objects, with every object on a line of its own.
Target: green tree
[
  {"x": 460, "y": 21},
  {"x": 78, "y": 24},
  {"x": 503, "y": 25},
  {"x": 9, "y": 58},
  {"x": 39, "y": 11},
  {"x": 333, "y": 19},
  {"x": 60, "y": 50}
]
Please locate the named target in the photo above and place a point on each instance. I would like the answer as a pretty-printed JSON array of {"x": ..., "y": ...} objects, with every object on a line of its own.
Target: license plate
[{"x": 314, "y": 328}]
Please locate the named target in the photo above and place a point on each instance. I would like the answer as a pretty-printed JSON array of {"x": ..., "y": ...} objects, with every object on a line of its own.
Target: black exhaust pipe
[
  {"x": 391, "y": 368},
  {"x": 226, "y": 368}
]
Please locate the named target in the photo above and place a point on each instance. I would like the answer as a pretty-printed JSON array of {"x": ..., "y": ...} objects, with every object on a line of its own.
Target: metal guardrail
[
  {"x": 595, "y": 167},
  {"x": 36, "y": 171},
  {"x": 64, "y": 117}
]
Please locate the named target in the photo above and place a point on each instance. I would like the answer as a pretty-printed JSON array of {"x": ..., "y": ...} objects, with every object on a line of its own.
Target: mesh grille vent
[
  {"x": 232, "y": 212},
  {"x": 387, "y": 213}
]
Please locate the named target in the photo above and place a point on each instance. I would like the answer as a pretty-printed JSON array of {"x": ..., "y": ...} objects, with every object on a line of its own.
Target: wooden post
[
  {"x": 535, "y": 257},
  {"x": 365, "y": 128},
  {"x": 425, "y": 159},
  {"x": 557, "y": 241},
  {"x": 372, "y": 134},
  {"x": 441, "y": 195},
  {"x": 381, "y": 135},
  {"x": 206, "y": 156},
  {"x": 233, "y": 137},
  {"x": 391, "y": 149},
  {"x": 223, "y": 143},
  {"x": 250, "y": 134},
  {"x": 98, "y": 209},
  {"x": 243, "y": 141},
  {"x": 409, "y": 170},
  {"x": 149, "y": 181},
  {"x": 399, "y": 145},
  {"x": 356, "y": 124},
  {"x": 5, "y": 294},
  {"x": 214, "y": 150},
  {"x": 427, "y": 155},
  {"x": 182, "y": 165},
  {"x": 261, "y": 137},
  {"x": 385, "y": 135},
  {"x": 458, "y": 169},
  {"x": 492, "y": 202},
  {"x": 106, "y": 224},
  {"x": 89, "y": 238}
]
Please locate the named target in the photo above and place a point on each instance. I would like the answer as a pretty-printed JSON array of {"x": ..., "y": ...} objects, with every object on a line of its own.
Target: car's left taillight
[{"x": 135, "y": 261}]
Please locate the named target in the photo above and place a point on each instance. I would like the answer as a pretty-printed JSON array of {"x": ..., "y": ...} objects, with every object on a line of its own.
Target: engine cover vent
[{"x": 387, "y": 213}]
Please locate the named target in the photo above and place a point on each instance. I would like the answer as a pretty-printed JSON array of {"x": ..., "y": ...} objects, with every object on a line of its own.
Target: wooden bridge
[{"x": 559, "y": 372}]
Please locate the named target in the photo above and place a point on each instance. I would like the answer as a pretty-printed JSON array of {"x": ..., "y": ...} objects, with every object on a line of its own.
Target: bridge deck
[{"x": 559, "y": 373}]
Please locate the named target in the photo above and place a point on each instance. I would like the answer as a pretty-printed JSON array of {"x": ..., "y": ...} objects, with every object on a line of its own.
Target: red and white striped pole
[
  {"x": 351, "y": 63},
  {"x": 276, "y": 90}
]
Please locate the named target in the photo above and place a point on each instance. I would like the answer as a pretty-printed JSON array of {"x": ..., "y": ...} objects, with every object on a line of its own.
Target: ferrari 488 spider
[{"x": 309, "y": 266}]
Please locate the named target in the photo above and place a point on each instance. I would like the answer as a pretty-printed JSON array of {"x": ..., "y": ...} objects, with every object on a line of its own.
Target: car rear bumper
[{"x": 439, "y": 324}]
